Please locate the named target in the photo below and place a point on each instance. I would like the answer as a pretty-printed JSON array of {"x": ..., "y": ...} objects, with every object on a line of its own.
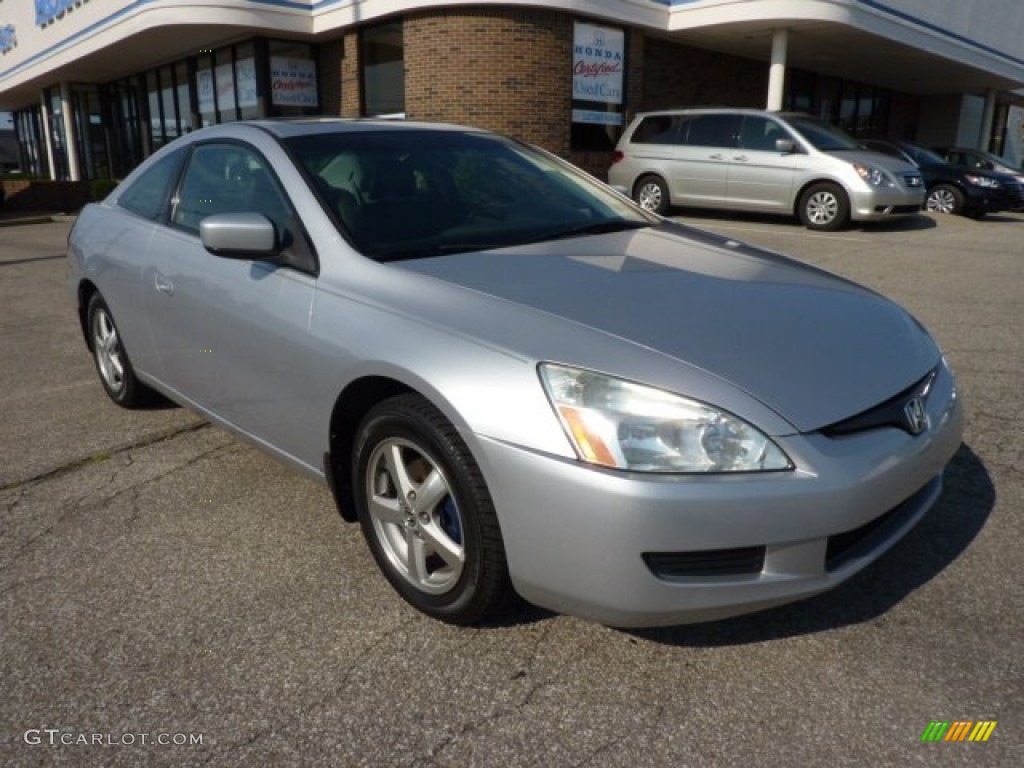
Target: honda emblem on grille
[{"x": 915, "y": 416}]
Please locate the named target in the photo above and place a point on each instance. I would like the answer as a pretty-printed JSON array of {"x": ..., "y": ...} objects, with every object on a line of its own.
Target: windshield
[
  {"x": 923, "y": 156},
  {"x": 411, "y": 193},
  {"x": 824, "y": 137}
]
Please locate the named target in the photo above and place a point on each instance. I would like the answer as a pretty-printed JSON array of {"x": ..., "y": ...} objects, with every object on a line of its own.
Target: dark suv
[
  {"x": 975, "y": 160},
  {"x": 952, "y": 189}
]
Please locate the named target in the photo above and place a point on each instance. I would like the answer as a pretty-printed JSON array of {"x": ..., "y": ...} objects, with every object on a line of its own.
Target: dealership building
[{"x": 97, "y": 85}]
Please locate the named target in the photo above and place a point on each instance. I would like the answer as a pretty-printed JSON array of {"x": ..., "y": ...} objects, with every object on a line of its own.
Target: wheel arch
[
  {"x": 351, "y": 405},
  {"x": 86, "y": 290},
  {"x": 799, "y": 193}
]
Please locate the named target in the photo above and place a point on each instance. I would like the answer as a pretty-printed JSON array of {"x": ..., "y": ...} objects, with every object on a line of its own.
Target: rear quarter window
[
  {"x": 147, "y": 195},
  {"x": 657, "y": 129}
]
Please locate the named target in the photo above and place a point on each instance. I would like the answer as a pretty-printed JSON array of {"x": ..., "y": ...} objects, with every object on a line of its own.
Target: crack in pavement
[
  {"x": 80, "y": 505},
  {"x": 101, "y": 456}
]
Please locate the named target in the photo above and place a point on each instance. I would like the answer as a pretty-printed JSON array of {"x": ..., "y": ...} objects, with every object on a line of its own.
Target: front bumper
[
  {"x": 576, "y": 537},
  {"x": 986, "y": 200},
  {"x": 878, "y": 204}
]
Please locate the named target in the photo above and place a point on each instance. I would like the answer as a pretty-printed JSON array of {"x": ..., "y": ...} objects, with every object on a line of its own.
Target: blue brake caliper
[{"x": 450, "y": 522}]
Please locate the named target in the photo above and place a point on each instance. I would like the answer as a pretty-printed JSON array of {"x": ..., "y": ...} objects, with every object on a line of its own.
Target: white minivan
[{"x": 754, "y": 160}]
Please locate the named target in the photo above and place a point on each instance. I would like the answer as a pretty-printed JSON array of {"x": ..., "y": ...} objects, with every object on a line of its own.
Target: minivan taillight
[{"x": 617, "y": 156}]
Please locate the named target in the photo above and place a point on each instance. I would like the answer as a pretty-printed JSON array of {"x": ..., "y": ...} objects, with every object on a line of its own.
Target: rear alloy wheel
[
  {"x": 426, "y": 513},
  {"x": 651, "y": 194},
  {"x": 112, "y": 363},
  {"x": 944, "y": 198},
  {"x": 824, "y": 207}
]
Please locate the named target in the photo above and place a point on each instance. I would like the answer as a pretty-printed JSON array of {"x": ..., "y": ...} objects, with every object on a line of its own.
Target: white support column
[
  {"x": 44, "y": 116},
  {"x": 987, "y": 115},
  {"x": 69, "y": 132},
  {"x": 777, "y": 72}
]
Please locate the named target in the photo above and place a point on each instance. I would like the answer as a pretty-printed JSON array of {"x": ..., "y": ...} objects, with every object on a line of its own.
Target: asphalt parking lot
[{"x": 162, "y": 582}]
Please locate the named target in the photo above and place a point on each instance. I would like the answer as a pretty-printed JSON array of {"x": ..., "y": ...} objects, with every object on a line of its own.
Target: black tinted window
[
  {"x": 400, "y": 194},
  {"x": 229, "y": 178},
  {"x": 147, "y": 195},
  {"x": 760, "y": 133},
  {"x": 713, "y": 130},
  {"x": 657, "y": 129}
]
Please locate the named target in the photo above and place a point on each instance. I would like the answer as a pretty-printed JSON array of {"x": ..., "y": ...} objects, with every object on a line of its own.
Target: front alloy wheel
[
  {"x": 944, "y": 198},
  {"x": 426, "y": 513},
  {"x": 824, "y": 207}
]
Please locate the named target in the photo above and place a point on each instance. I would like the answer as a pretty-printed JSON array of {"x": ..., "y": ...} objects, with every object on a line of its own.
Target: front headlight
[
  {"x": 876, "y": 177},
  {"x": 981, "y": 181},
  {"x": 620, "y": 424}
]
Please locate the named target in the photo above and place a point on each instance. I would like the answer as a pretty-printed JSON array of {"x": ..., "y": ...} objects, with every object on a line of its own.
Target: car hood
[
  {"x": 811, "y": 346},
  {"x": 868, "y": 157}
]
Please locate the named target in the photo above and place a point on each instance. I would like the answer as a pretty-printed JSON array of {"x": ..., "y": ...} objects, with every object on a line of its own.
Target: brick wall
[
  {"x": 504, "y": 70},
  {"x": 351, "y": 99},
  {"x": 330, "y": 68}
]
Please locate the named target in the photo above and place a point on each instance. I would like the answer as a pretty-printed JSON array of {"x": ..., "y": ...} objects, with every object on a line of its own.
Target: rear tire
[
  {"x": 651, "y": 194},
  {"x": 426, "y": 513},
  {"x": 112, "y": 364},
  {"x": 824, "y": 207}
]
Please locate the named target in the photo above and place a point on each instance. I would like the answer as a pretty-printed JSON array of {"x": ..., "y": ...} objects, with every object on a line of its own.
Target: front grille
[
  {"x": 849, "y": 545},
  {"x": 677, "y": 566},
  {"x": 891, "y": 413},
  {"x": 913, "y": 180}
]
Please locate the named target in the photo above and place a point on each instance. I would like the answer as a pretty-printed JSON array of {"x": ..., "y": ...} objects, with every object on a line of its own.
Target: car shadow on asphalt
[
  {"x": 931, "y": 546},
  {"x": 705, "y": 217}
]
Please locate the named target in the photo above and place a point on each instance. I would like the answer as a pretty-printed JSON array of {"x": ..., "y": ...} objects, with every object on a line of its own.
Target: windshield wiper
[{"x": 594, "y": 228}]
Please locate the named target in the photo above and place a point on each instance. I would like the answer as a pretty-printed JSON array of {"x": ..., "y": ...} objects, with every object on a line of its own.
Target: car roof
[{"x": 307, "y": 126}]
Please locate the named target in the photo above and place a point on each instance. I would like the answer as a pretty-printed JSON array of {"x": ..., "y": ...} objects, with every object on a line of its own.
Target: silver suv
[{"x": 769, "y": 162}]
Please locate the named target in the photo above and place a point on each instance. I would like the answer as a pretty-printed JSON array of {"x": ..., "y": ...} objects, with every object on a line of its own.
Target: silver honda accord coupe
[{"x": 513, "y": 378}]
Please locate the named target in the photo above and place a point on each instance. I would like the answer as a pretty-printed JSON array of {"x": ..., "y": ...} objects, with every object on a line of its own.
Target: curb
[{"x": 41, "y": 218}]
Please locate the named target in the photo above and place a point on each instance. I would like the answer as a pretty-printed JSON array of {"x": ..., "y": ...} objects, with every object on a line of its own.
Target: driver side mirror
[
  {"x": 238, "y": 235},
  {"x": 785, "y": 146}
]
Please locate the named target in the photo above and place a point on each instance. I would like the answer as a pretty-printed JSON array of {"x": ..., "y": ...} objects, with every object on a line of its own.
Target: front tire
[
  {"x": 944, "y": 198},
  {"x": 426, "y": 513},
  {"x": 824, "y": 207},
  {"x": 115, "y": 369},
  {"x": 651, "y": 194}
]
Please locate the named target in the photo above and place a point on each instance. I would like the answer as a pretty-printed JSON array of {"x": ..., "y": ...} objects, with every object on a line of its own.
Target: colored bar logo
[{"x": 958, "y": 730}]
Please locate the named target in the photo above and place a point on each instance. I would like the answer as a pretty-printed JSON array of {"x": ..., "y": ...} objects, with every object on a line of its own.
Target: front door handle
[
  {"x": 163, "y": 285},
  {"x": 717, "y": 157}
]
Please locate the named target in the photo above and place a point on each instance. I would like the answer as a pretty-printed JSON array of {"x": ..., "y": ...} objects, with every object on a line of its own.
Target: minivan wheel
[
  {"x": 944, "y": 198},
  {"x": 426, "y": 513},
  {"x": 824, "y": 207},
  {"x": 651, "y": 194}
]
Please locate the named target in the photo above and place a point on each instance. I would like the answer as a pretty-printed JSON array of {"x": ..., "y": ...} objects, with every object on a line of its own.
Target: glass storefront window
[
  {"x": 28, "y": 127},
  {"x": 224, "y": 78},
  {"x": 205, "y": 91},
  {"x": 247, "y": 81},
  {"x": 156, "y": 123},
  {"x": 167, "y": 99},
  {"x": 57, "y": 134},
  {"x": 118, "y": 123},
  {"x": 90, "y": 136},
  {"x": 184, "y": 103},
  {"x": 293, "y": 83},
  {"x": 383, "y": 71}
]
